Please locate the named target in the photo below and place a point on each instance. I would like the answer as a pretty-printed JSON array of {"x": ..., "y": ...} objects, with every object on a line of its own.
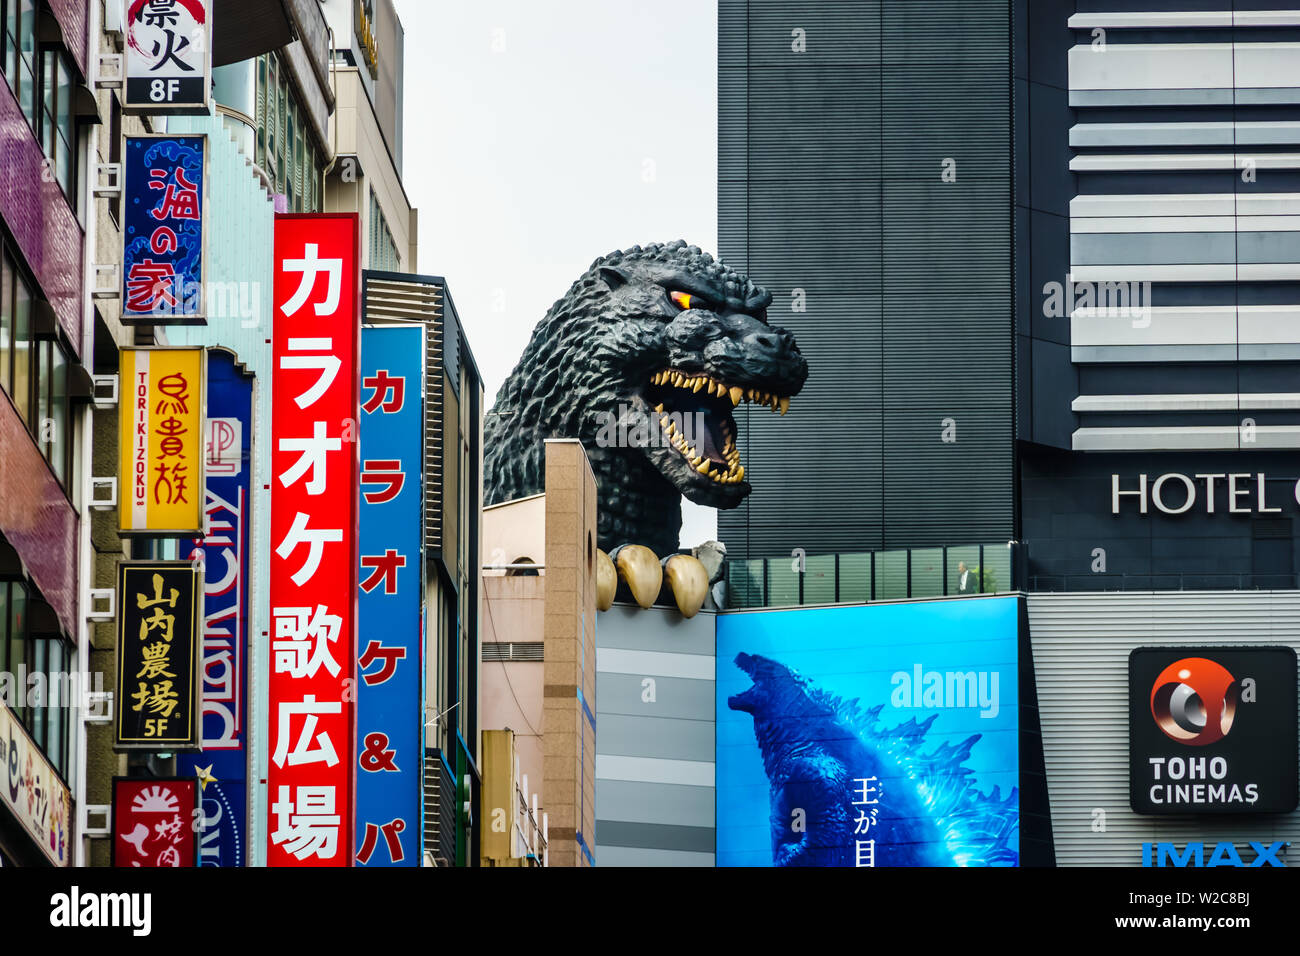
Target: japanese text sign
[
  {"x": 31, "y": 789},
  {"x": 164, "y": 178},
  {"x": 153, "y": 821},
  {"x": 389, "y": 695},
  {"x": 313, "y": 560},
  {"x": 222, "y": 767},
  {"x": 160, "y": 451},
  {"x": 168, "y": 60},
  {"x": 157, "y": 656}
]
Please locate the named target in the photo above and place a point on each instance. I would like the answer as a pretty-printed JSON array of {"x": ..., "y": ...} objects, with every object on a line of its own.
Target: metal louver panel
[
  {"x": 401, "y": 298},
  {"x": 506, "y": 651},
  {"x": 1081, "y": 643},
  {"x": 830, "y": 173},
  {"x": 439, "y": 810}
]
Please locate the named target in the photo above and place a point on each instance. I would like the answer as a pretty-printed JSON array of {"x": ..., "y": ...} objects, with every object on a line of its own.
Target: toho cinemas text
[{"x": 1243, "y": 493}]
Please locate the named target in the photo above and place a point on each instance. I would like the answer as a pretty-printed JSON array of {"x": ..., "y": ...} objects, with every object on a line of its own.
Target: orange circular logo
[{"x": 1194, "y": 701}]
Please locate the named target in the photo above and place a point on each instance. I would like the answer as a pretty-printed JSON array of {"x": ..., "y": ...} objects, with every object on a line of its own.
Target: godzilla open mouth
[{"x": 695, "y": 414}]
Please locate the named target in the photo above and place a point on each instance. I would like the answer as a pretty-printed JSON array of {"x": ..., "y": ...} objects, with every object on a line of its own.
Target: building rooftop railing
[
  {"x": 856, "y": 578},
  {"x": 807, "y": 580}
]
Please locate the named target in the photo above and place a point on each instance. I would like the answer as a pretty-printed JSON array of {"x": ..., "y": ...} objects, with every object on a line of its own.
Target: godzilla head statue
[{"x": 644, "y": 361}]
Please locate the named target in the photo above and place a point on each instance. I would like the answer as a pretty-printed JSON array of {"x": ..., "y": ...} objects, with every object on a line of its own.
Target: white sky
[{"x": 539, "y": 136}]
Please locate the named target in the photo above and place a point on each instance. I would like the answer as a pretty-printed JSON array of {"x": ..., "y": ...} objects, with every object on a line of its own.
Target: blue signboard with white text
[
  {"x": 222, "y": 766},
  {"x": 163, "y": 206},
  {"x": 869, "y": 735},
  {"x": 390, "y": 694}
]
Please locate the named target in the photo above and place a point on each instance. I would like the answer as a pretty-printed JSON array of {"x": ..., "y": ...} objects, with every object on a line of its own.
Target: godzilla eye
[{"x": 684, "y": 300}]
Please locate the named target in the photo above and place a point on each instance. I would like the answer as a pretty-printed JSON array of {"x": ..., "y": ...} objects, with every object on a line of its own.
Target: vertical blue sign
[
  {"x": 222, "y": 767},
  {"x": 163, "y": 204},
  {"x": 390, "y": 702}
]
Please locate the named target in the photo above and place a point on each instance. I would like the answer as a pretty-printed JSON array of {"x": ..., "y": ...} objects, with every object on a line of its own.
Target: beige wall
[
  {"x": 514, "y": 530},
  {"x": 348, "y": 187},
  {"x": 569, "y": 677},
  {"x": 512, "y": 690}
]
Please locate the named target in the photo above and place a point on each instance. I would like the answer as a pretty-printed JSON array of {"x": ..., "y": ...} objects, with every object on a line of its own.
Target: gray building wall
[
  {"x": 830, "y": 168},
  {"x": 655, "y": 741},
  {"x": 1081, "y": 644}
]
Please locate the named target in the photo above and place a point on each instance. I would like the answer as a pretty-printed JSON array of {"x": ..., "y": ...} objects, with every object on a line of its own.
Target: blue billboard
[
  {"x": 390, "y": 665},
  {"x": 222, "y": 766},
  {"x": 163, "y": 205},
  {"x": 871, "y": 735}
]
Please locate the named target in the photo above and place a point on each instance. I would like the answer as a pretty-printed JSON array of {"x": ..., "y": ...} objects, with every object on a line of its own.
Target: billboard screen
[{"x": 871, "y": 735}]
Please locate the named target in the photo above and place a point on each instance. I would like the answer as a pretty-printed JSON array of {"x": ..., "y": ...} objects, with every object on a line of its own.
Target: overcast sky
[{"x": 539, "y": 136}]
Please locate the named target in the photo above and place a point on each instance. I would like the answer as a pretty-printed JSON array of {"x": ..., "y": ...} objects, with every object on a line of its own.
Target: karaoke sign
[{"x": 313, "y": 569}]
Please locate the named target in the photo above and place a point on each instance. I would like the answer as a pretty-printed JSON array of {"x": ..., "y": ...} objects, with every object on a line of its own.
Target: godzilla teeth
[{"x": 716, "y": 389}]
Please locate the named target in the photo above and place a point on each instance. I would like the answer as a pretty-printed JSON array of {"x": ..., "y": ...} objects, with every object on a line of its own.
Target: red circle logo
[{"x": 1194, "y": 700}]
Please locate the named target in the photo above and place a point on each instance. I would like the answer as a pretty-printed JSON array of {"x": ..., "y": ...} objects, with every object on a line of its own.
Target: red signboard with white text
[{"x": 316, "y": 348}]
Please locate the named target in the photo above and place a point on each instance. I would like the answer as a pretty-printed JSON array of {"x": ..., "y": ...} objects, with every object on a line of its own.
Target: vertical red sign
[{"x": 314, "y": 387}]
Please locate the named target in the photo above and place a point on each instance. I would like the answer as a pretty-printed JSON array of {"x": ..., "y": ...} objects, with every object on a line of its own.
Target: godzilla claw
[
  {"x": 606, "y": 581},
  {"x": 639, "y": 567},
  {"x": 689, "y": 582},
  {"x": 645, "y": 573}
]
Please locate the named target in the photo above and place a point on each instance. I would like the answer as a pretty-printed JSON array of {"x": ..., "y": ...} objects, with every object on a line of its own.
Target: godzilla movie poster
[{"x": 870, "y": 735}]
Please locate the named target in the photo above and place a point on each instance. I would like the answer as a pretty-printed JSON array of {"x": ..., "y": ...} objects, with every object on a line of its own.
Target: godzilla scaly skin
[
  {"x": 815, "y": 747},
  {"x": 665, "y": 339}
]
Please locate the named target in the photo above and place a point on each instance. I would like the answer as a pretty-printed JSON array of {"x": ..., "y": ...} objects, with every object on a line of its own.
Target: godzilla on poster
[{"x": 869, "y": 736}]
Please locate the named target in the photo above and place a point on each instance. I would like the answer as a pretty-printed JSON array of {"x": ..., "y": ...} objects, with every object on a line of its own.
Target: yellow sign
[{"x": 161, "y": 407}]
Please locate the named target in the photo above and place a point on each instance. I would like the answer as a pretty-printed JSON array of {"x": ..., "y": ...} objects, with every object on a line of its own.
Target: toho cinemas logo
[{"x": 1242, "y": 493}]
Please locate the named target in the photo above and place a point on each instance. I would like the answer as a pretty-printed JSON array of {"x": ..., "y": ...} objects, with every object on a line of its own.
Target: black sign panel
[
  {"x": 157, "y": 656},
  {"x": 1212, "y": 730}
]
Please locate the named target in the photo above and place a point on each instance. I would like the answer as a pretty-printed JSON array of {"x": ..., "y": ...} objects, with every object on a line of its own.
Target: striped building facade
[
  {"x": 1158, "y": 292},
  {"x": 655, "y": 680}
]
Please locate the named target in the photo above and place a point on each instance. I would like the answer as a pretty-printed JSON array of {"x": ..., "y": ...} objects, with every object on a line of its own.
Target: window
[
  {"x": 25, "y": 653},
  {"x": 20, "y": 55},
  {"x": 383, "y": 251},
  {"x": 56, "y": 128},
  {"x": 6, "y": 326},
  {"x": 34, "y": 373},
  {"x": 41, "y": 78},
  {"x": 285, "y": 150},
  {"x": 22, "y": 351}
]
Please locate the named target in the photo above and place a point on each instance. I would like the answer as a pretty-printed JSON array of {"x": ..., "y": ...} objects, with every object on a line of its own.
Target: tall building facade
[
  {"x": 1057, "y": 309},
  {"x": 865, "y": 178},
  {"x": 1158, "y": 296}
]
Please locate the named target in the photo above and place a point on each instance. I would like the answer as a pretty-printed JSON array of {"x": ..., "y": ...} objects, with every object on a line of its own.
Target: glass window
[
  {"x": 18, "y": 643},
  {"x": 27, "y": 61},
  {"x": 37, "y": 722},
  {"x": 22, "y": 347},
  {"x": 43, "y": 420},
  {"x": 11, "y": 43},
  {"x": 63, "y": 152},
  {"x": 60, "y": 439},
  {"x": 6, "y": 323},
  {"x": 4, "y": 627},
  {"x": 58, "y": 707}
]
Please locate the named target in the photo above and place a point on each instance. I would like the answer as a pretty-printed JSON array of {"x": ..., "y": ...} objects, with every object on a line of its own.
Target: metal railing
[
  {"x": 1174, "y": 581},
  {"x": 856, "y": 578}
]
